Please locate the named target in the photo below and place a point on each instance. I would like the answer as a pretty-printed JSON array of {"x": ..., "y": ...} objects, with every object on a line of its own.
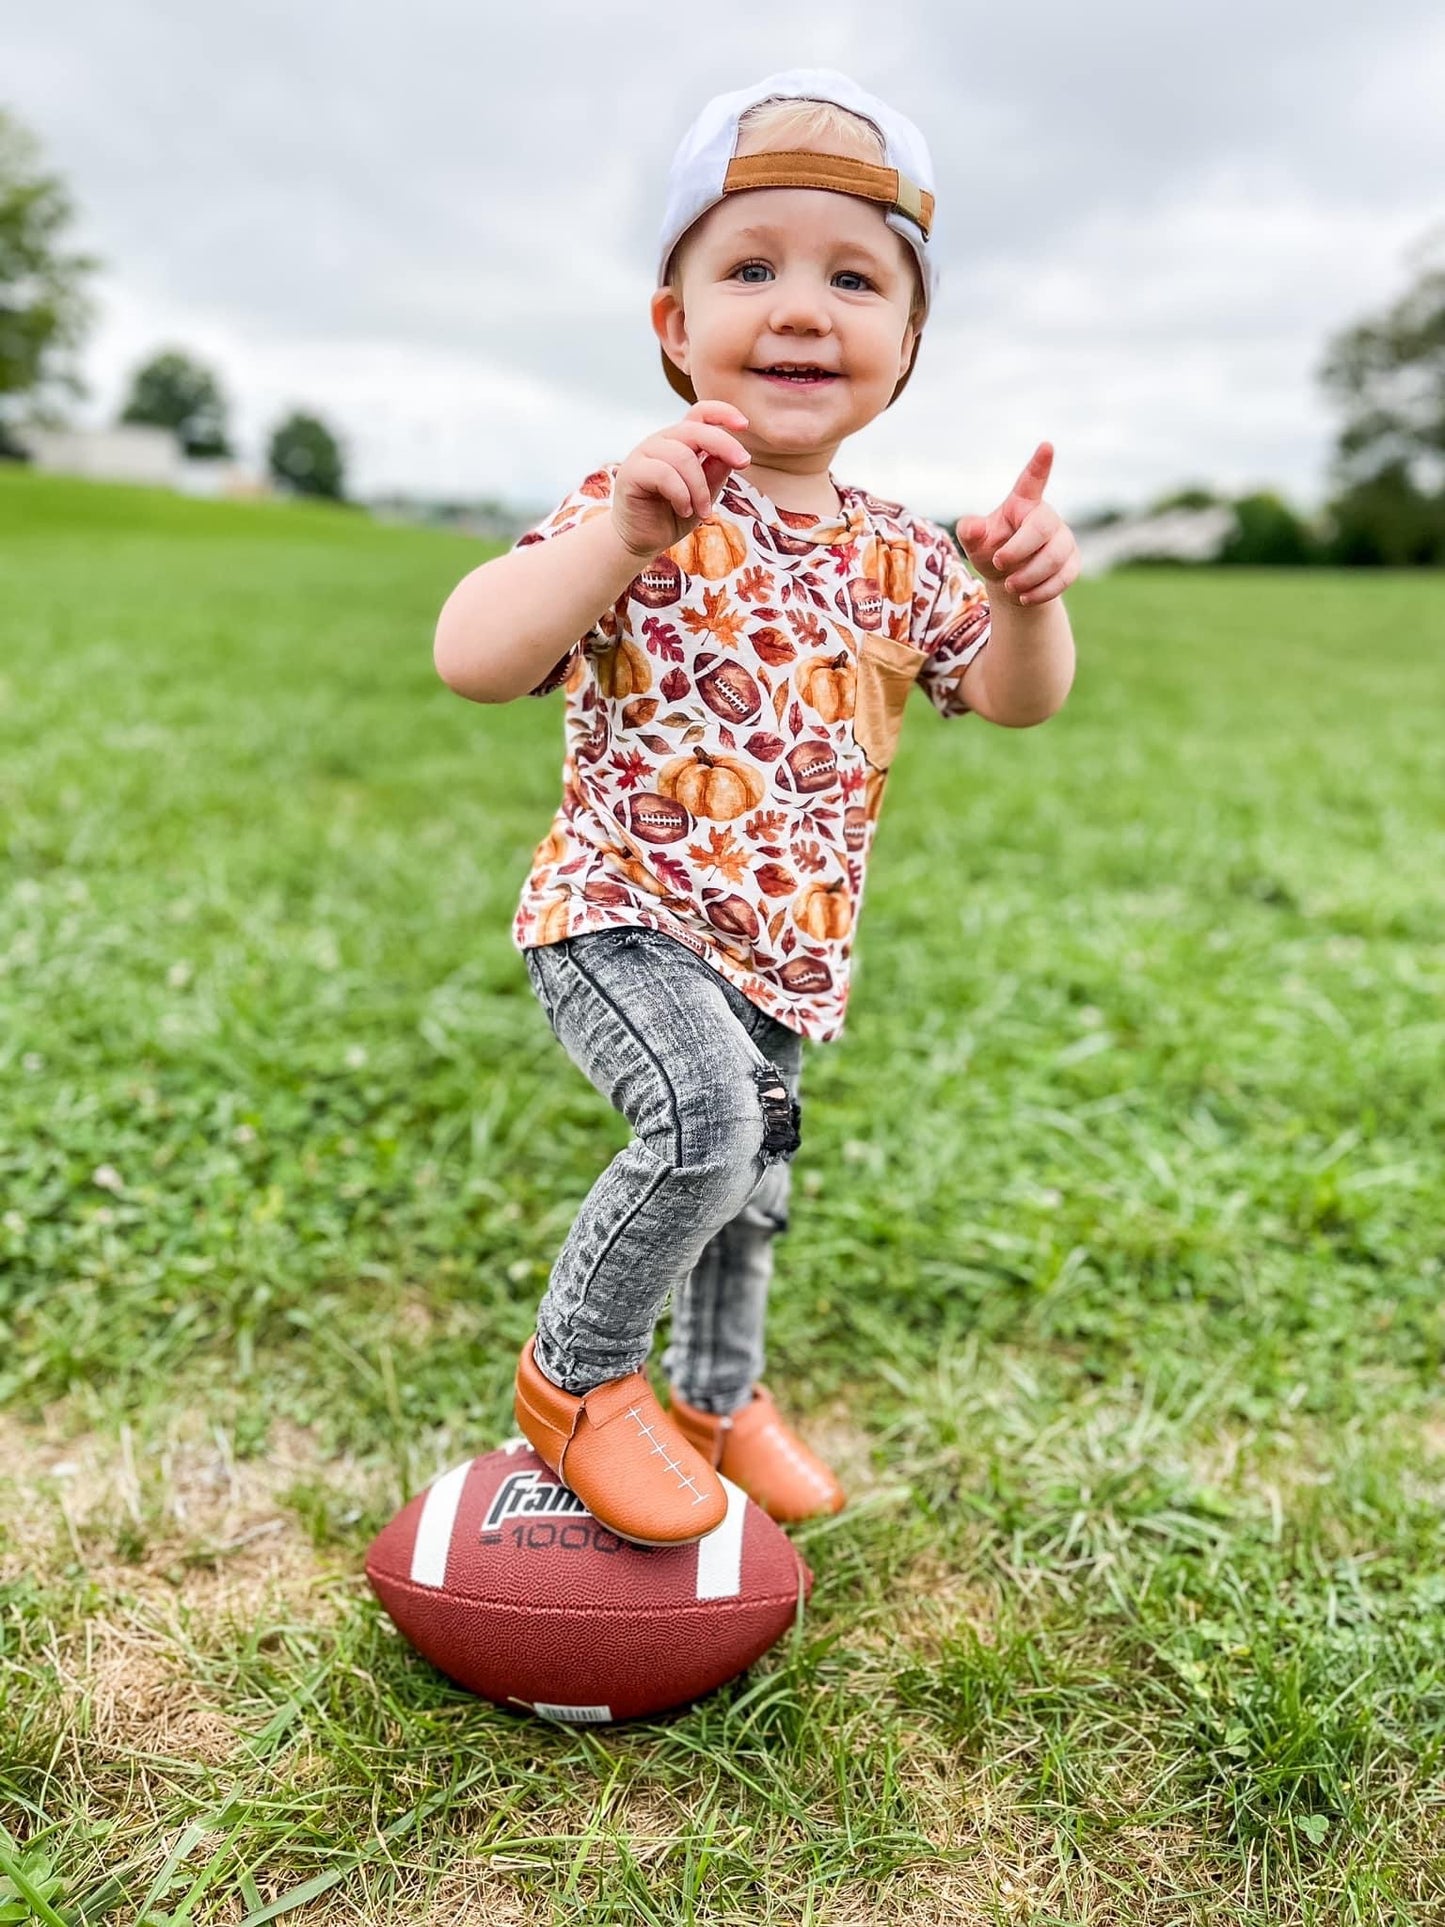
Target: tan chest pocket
[{"x": 887, "y": 670}]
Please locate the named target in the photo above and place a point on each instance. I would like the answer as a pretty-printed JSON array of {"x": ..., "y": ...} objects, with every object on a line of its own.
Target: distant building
[
  {"x": 126, "y": 453},
  {"x": 490, "y": 520},
  {"x": 1181, "y": 535},
  {"x": 134, "y": 452},
  {"x": 219, "y": 478}
]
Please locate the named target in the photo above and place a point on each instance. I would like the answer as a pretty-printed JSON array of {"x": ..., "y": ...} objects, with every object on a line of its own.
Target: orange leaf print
[
  {"x": 806, "y": 627},
  {"x": 765, "y": 826},
  {"x": 724, "y": 854},
  {"x": 714, "y": 619}
]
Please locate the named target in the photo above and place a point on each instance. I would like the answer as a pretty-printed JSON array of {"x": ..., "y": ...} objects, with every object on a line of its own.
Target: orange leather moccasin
[
  {"x": 622, "y": 1455},
  {"x": 756, "y": 1450}
]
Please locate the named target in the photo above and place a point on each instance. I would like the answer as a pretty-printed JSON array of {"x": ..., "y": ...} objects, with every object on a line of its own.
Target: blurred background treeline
[{"x": 1383, "y": 378}]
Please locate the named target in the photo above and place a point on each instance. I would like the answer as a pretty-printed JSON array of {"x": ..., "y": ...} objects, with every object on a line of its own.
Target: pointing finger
[{"x": 1030, "y": 484}]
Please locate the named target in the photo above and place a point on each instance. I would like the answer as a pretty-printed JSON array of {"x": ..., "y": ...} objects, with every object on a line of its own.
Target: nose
[{"x": 799, "y": 306}]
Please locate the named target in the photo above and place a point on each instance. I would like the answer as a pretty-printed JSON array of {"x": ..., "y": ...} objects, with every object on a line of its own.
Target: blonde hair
[{"x": 786, "y": 126}]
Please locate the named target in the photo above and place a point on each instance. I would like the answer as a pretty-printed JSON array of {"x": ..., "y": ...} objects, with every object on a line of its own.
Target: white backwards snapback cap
[{"x": 706, "y": 166}]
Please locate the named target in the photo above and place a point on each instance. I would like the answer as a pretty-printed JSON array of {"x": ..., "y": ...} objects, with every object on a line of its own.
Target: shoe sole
[{"x": 659, "y": 1545}]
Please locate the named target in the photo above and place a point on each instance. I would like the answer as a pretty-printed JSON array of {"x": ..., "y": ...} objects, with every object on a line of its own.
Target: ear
[
  {"x": 905, "y": 352},
  {"x": 669, "y": 324}
]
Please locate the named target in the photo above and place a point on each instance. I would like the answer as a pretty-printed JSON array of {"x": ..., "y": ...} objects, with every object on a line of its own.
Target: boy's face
[{"x": 792, "y": 274}]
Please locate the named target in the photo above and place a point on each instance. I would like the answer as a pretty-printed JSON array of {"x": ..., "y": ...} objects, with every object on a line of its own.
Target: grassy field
[{"x": 1113, "y": 1288}]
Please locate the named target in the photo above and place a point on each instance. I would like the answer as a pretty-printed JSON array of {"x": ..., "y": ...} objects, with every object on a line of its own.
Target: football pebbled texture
[{"x": 500, "y": 1576}]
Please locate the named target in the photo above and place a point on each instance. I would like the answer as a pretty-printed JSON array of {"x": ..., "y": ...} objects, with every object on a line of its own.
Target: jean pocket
[{"x": 887, "y": 669}]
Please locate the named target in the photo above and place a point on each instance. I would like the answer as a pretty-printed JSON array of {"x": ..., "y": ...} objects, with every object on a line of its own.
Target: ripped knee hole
[{"x": 782, "y": 1114}]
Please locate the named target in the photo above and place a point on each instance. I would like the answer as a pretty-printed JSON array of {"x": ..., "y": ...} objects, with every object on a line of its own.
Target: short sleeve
[
  {"x": 591, "y": 497},
  {"x": 951, "y": 617}
]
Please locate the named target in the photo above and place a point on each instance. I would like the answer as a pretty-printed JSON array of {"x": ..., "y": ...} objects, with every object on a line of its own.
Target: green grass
[{"x": 1114, "y": 1284}]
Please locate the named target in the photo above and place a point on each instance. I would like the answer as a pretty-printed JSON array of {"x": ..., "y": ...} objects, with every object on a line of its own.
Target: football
[
  {"x": 655, "y": 818},
  {"x": 500, "y": 1576}
]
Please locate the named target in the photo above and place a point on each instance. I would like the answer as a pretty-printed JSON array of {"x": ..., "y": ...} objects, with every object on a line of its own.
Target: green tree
[
  {"x": 44, "y": 311},
  {"x": 1386, "y": 522},
  {"x": 173, "y": 391},
  {"x": 1387, "y": 376},
  {"x": 304, "y": 456},
  {"x": 1196, "y": 496},
  {"x": 1267, "y": 532}
]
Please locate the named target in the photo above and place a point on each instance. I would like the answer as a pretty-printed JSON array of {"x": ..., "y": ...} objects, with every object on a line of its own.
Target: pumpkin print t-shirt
[{"x": 730, "y": 722}]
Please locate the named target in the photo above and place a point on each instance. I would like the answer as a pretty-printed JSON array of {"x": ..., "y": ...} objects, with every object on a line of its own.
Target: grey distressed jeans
[{"x": 709, "y": 1083}]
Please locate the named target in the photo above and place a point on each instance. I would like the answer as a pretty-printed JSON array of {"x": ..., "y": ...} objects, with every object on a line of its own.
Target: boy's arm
[
  {"x": 1027, "y": 555},
  {"x": 508, "y": 622},
  {"x": 1027, "y": 670}
]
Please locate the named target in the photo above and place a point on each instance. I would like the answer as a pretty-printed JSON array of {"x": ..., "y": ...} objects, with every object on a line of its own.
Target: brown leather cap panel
[{"x": 839, "y": 173}]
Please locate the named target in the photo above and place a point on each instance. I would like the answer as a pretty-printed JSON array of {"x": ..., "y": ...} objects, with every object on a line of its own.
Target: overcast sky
[{"x": 435, "y": 223}]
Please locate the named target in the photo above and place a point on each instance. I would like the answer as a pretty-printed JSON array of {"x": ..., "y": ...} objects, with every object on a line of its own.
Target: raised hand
[
  {"x": 1024, "y": 551},
  {"x": 669, "y": 482}
]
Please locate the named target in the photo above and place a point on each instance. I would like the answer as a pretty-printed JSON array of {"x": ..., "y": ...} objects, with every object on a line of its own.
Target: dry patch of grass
[
  {"x": 179, "y": 1513},
  {"x": 835, "y": 1435},
  {"x": 175, "y": 1537},
  {"x": 125, "y": 1688},
  {"x": 475, "y": 1893},
  {"x": 1276, "y": 1469},
  {"x": 1432, "y": 1437},
  {"x": 929, "y": 1604}
]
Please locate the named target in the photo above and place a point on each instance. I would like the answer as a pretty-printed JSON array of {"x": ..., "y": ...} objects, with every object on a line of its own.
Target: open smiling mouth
[{"x": 799, "y": 378}]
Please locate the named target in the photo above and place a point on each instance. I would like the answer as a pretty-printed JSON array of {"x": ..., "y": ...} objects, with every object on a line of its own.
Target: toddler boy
[{"x": 736, "y": 632}]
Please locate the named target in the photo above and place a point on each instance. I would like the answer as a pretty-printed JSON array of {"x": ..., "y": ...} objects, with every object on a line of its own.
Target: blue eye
[{"x": 853, "y": 273}]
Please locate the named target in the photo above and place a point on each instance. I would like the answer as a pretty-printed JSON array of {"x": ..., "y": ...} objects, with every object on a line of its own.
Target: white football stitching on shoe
[
  {"x": 793, "y": 1452},
  {"x": 674, "y": 1465}
]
